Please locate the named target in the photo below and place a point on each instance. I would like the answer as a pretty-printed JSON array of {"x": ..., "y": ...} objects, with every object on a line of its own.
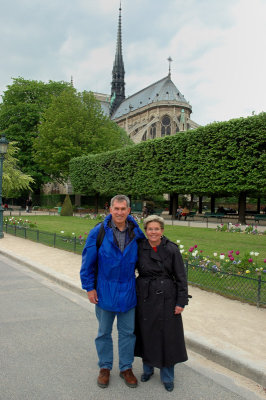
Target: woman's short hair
[{"x": 153, "y": 218}]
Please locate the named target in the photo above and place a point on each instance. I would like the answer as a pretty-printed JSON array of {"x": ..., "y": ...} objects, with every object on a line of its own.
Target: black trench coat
[{"x": 160, "y": 286}]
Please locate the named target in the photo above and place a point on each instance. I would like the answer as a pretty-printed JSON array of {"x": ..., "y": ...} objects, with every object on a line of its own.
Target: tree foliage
[
  {"x": 219, "y": 159},
  {"x": 71, "y": 126},
  {"x": 23, "y": 103},
  {"x": 14, "y": 180},
  {"x": 67, "y": 208}
]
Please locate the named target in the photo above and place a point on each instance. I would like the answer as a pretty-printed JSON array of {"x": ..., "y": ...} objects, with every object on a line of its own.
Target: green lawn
[{"x": 208, "y": 240}]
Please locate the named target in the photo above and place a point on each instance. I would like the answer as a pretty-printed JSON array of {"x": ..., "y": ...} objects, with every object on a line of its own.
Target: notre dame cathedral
[{"x": 155, "y": 111}]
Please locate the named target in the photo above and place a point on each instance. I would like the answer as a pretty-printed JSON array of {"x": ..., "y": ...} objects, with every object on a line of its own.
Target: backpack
[
  {"x": 99, "y": 241},
  {"x": 100, "y": 236}
]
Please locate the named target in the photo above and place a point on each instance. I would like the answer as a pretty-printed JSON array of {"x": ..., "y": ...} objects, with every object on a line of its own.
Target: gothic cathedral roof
[{"x": 162, "y": 90}]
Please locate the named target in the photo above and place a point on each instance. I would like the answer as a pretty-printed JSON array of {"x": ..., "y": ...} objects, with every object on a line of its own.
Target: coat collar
[{"x": 153, "y": 254}]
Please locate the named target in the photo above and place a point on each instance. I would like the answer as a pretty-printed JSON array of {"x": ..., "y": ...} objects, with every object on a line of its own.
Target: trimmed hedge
[{"x": 222, "y": 158}]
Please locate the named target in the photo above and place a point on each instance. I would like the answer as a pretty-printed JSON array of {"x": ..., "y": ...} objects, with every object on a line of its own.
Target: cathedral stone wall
[{"x": 156, "y": 120}]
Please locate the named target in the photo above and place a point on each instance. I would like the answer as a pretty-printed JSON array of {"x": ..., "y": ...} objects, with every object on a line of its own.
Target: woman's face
[{"x": 154, "y": 233}]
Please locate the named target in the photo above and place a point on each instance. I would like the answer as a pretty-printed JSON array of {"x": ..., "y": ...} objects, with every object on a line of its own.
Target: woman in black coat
[{"x": 161, "y": 297}]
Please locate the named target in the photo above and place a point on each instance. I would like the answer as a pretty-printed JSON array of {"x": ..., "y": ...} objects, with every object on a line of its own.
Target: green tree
[
  {"x": 67, "y": 209},
  {"x": 14, "y": 180},
  {"x": 74, "y": 125},
  {"x": 220, "y": 159},
  {"x": 23, "y": 103}
]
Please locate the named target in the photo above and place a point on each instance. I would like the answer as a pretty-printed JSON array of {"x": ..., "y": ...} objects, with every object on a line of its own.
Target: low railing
[
  {"x": 239, "y": 287},
  {"x": 234, "y": 286}
]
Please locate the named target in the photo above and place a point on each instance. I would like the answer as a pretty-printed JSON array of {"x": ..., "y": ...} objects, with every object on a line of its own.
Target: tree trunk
[
  {"x": 191, "y": 201},
  {"x": 174, "y": 204},
  {"x": 96, "y": 203},
  {"x": 213, "y": 203},
  {"x": 258, "y": 205},
  {"x": 200, "y": 204},
  {"x": 171, "y": 205},
  {"x": 77, "y": 200},
  {"x": 242, "y": 208}
]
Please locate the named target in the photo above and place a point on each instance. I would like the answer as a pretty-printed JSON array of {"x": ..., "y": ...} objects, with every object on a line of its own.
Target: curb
[{"x": 238, "y": 364}]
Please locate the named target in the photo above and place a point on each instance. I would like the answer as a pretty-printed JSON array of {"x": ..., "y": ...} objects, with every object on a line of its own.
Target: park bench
[
  {"x": 158, "y": 211},
  {"x": 191, "y": 215},
  {"x": 259, "y": 217},
  {"x": 208, "y": 215}
]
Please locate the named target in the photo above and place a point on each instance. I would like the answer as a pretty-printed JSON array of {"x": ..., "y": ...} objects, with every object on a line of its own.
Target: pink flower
[
  {"x": 202, "y": 251},
  {"x": 231, "y": 258},
  {"x": 250, "y": 260},
  {"x": 191, "y": 249},
  {"x": 265, "y": 260},
  {"x": 195, "y": 246},
  {"x": 237, "y": 252}
]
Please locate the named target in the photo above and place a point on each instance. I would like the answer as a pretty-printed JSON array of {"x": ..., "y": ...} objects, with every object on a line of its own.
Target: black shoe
[
  {"x": 169, "y": 386},
  {"x": 145, "y": 377}
]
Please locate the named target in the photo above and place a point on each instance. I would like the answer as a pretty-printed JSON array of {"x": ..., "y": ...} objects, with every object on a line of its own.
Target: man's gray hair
[
  {"x": 119, "y": 198},
  {"x": 153, "y": 218}
]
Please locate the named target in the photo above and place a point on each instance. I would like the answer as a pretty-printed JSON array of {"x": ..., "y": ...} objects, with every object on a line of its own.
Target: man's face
[{"x": 119, "y": 212}]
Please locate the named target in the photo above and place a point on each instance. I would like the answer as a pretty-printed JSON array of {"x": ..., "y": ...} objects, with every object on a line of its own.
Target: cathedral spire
[{"x": 118, "y": 74}]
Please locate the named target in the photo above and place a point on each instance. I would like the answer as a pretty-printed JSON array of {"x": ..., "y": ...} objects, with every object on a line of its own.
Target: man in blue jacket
[{"x": 115, "y": 294}]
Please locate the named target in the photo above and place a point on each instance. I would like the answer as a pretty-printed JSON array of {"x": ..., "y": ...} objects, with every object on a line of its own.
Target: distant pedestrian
[{"x": 30, "y": 205}]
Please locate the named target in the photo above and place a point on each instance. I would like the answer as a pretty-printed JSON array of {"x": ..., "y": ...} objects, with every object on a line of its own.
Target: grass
[
  {"x": 208, "y": 240},
  {"x": 48, "y": 229}
]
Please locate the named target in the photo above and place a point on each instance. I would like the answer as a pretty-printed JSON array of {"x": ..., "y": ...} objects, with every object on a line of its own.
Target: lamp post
[{"x": 3, "y": 151}]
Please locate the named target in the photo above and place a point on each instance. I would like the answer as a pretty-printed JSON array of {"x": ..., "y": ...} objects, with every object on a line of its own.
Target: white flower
[
  {"x": 178, "y": 241},
  {"x": 73, "y": 233},
  {"x": 222, "y": 256},
  {"x": 181, "y": 251},
  {"x": 256, "y": 254},
  {"x": 181, "y": 246},
  {"x": 215, "y": 254},
  {"x": 252, "y": 253},
  {"x": 62, "y": 231}
]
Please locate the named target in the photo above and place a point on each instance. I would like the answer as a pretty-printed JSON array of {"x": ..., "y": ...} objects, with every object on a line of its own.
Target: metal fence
[{"x": 239, "y": 287}]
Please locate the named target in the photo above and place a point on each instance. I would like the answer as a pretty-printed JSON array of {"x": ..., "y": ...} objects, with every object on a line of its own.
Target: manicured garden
[
  {"x": 229, "y": 263},
  {"x": 208, "y": 241}
]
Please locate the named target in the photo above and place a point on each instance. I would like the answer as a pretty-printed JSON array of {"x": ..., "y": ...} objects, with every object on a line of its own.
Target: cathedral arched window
[
  {"x": 144, "y": 137},
  {"x": 153, "y": 131},
  {"x": 165, "y": 126}
]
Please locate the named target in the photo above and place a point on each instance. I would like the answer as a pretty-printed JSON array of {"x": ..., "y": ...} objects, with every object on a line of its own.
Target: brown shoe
[
  {"x": 129, "y": 378},
  {"x": 103, "y": 378}
]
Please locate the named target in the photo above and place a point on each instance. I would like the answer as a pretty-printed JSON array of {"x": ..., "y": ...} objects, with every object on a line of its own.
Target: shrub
[{"x": 67, "y": 209}]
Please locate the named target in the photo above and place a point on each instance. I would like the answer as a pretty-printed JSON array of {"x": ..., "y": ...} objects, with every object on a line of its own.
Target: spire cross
[{"x": 169, "y": 59}]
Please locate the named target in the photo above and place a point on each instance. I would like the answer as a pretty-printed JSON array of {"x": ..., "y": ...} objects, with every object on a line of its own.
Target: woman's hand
[{"x": 178, "y": 310}]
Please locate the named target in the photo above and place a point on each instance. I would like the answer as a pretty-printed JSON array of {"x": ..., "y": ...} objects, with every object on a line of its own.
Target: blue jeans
[
  {"x": 166, "y": 373},
  {"x": 126, "y": 338}
]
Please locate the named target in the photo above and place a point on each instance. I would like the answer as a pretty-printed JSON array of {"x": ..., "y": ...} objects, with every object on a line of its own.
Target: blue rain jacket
[{"x": 116, "y": 270}]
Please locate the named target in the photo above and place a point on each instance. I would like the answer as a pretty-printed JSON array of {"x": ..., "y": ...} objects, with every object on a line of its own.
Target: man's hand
[{"x": 92, "y": 295}]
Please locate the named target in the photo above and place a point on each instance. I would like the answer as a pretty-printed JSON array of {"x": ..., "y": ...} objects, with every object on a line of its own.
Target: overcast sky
[{"x": 217, "y": 47}]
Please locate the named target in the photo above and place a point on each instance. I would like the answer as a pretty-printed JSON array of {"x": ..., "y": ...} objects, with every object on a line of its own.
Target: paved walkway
[{"x": 228, "y": 332}]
